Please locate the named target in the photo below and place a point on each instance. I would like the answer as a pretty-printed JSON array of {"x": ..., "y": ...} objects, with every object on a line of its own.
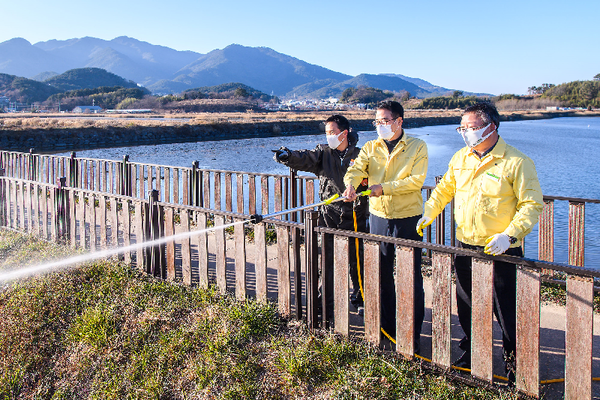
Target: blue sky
[{"x": 478, "y": 46}]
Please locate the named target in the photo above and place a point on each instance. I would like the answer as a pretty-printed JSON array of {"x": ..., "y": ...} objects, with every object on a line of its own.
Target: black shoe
[{"x": 463, "y": 361}]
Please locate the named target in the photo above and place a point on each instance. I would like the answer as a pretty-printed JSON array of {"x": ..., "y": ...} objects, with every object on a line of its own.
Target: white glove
[
  {"x": 423, "y": 223},
  {"x": 497, "y": 244}
]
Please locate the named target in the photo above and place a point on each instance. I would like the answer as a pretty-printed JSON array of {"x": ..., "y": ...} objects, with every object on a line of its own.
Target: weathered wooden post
[
  {"x": 428, "y": 229},
  {"x": 157, "y": 253},
  {"x": 125, "y": 177},
  {"x": 440, "y": 222},
  {"x": 576, "y": 233},
  {"x": 296, "y": 237},
  {"x": 294, "y": 193},
  {"x": 441, "y": 309},
  {"x": 579, "y": 338},
  {"x": 528, "y": 332},
  {"x": 372, "y": 292},
  {"x": 405, "y": 300},
  {"x": 61, "y": 209},
  {"x": 546, "y": 235},
  {"x": 326, "y": 249},
  {"x": 195, "y": 192},
  {"x": 312, "y": 273},
  {"x": 32, "y": 172},
  {"x": 341, "y": 286},
  {"x": 73, "y": 171},
  {"x": 3, "y": 199}
]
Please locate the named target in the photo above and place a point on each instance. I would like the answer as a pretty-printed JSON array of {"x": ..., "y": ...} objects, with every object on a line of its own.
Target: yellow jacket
[
  {"x": 401, "y": 175},
  {"x": 499, "y": 193}
]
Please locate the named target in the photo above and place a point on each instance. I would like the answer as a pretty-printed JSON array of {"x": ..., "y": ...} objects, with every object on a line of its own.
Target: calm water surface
[{"x": 563, "y": 150}]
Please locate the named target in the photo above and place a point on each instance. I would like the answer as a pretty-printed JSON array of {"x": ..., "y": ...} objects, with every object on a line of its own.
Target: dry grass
[
  {"x": 526, "y": 104},
  {"x": 105, "y": 331},
  {"x": 24, "y": 121}
]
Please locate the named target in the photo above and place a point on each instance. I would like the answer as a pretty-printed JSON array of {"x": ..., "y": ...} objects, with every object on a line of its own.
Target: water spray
[{"x": 61, "y": 264}]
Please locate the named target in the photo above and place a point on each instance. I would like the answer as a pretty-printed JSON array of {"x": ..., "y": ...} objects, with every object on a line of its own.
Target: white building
[{"x": 87, "y": 109}]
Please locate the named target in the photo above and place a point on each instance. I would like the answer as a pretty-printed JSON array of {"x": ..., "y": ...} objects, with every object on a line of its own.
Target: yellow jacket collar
[
  {"x": 497, "y": 152},
  {"x": 382, "y": 142}
]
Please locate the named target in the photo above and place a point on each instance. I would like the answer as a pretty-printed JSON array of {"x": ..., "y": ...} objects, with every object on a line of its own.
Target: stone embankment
[{"x": 55, "y": 139}]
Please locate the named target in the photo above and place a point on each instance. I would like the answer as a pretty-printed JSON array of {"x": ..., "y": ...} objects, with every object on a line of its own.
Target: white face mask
[
  {"x": 473, "y": 138},
  {"x": 385, "y": 131},
  {"x": 334, "y": 140}
]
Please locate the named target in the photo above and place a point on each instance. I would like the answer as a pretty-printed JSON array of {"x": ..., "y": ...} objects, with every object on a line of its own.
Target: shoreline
[{"x": 60, "y": 133}]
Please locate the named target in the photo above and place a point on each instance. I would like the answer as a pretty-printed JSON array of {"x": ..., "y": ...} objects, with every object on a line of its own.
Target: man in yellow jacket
[
  {"x": 498, "y": 200},
  {"x": 395, "y": 165}
]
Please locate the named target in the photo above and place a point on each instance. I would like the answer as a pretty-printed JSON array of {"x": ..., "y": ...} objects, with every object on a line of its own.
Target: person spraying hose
[{"x": 329, "y": 162}]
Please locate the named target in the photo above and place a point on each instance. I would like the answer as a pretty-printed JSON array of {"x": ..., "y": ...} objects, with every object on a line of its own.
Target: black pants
[
  {"x": 333, "y": 218},
  {"x": 505, "y": 297},
  {"x": 404, "y": 228}
]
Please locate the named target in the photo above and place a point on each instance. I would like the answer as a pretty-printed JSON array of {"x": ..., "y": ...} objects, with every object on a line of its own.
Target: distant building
[
  {"x": 130, "y": 111},
  {"x": 87, "y": 109}
]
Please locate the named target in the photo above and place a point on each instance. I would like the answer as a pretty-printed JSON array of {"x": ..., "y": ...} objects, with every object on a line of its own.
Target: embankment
[{"x": 47, "y": 139}]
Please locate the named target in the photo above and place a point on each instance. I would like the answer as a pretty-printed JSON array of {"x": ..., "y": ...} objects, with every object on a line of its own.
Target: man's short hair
[
  {"x": 392, "y": 106},
  {"x": 341, "y": 122},
  {"x": 486, "y": 111}
]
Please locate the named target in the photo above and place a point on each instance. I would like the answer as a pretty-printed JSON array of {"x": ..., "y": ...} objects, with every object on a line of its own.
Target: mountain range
[{"x": 164, "y": 70}]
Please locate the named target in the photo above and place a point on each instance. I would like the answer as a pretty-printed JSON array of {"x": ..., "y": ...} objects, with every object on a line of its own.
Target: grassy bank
[
  {"x": 20, "y": 122},
  {"x": 70, "y": 132},
  {"x": 105, "y": 331}
]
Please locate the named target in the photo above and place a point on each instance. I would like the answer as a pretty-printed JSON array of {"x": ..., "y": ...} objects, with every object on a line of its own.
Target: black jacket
[{"x": 327, "y": 165}]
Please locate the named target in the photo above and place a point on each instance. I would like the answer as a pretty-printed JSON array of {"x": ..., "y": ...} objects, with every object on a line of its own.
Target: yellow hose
[{"x": 358, "y": 257}]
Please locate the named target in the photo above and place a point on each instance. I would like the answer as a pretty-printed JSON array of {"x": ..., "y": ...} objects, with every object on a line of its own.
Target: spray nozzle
[{"x": 256, "y": 218}]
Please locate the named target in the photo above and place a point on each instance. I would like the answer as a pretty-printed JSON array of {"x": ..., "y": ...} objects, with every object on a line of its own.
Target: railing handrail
[
  {"x": 547, "y": 197},
  {"x": 522, "y": 261},
  {"x": 257, "y": 174}
]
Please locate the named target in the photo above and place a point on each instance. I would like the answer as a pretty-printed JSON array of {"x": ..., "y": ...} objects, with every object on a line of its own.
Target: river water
[{"x": 563, "y": 150}]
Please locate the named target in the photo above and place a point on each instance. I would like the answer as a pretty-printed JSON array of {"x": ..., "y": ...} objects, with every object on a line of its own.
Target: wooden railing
[
  {"x": 96, "y": 220},
  {"x": 249, "y": 193},
  {"x": 444, "y": 228},
  {"x": 234, "y": 191}
]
